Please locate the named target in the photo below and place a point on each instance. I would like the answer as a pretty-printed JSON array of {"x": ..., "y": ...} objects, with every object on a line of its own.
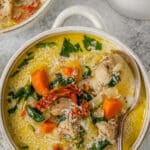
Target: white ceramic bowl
[
  {"x": 99, "y": 30},
  {"x": 27, "y": 21},
  {"x": 138, "y": 9}
]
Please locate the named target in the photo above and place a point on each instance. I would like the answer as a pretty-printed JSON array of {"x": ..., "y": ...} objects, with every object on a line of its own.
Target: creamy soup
[
  {"x": 13, "y": 12},
  {"x": 68, "y": 93}
]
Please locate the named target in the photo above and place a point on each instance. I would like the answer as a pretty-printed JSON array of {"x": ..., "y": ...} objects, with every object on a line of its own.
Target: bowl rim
[
  {"x": 73, "y": 29},
  {"x": 27, "y": 21}
]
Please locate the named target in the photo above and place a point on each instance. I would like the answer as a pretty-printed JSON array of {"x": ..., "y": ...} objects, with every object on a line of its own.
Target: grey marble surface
[{"x": 135, "y": 33}]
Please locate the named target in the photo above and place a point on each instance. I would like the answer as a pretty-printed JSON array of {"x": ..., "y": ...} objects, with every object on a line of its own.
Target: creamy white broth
[{"x": 27, "y": 132}]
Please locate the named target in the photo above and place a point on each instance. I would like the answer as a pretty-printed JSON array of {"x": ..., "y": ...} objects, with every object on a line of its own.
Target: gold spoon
[{"x": 135, "y": 69}]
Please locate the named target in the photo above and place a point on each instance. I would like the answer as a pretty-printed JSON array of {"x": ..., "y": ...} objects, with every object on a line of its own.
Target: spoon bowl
[{"x": 136, "y": 72}]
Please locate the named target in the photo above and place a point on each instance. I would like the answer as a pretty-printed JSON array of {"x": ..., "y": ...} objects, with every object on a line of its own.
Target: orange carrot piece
[
  {"x": 67, "y": 71},
  {"x": 48, "y": 127},
  {"x": 39, "y": 81},
  {"x": 111, "y": 108},
  {"x": 23, "y": 114}
]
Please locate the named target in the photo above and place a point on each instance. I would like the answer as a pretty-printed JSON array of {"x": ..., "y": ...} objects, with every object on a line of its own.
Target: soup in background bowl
[
  {"x": 16, "y": 13},
  {"x": 68, "y": 92}
]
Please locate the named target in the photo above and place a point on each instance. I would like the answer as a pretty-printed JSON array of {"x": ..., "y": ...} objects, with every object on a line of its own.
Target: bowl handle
[{"x": 81, "y": 10}]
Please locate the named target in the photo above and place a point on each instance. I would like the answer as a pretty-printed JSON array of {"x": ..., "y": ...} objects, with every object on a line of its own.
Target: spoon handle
[{"x": 120, "y": 133}]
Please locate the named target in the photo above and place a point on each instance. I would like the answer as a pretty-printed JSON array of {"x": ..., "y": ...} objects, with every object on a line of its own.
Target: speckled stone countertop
[{"x": 134, "y": 33}]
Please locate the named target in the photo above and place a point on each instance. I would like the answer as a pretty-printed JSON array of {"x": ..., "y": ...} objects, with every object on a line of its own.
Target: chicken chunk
[
  {"x": 5, "y": 9},
  {"x": 68, "y": 129},
  {"x": 60, "y": 106},
  {"x": 104, "y": 71},
  {"x": 107, "y": 130}
]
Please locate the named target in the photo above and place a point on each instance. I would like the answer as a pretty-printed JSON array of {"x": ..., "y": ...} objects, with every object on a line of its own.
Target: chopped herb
[
  {"x": 100, "y": 145},
  {"x": 60, "y": 118},
  {"x": 60, "y": 81},
  {"x": 114, "y": 80},
  {"x": 34, "y": 113},
  {"x": 69, "y": 48},
  {"x": 91, "y": 43},
  {"x": 87, "y": 73},
  {"x": 22, "y": 93},
  {"x": 45, "y": 44},
  {"x": 12, "y": 110}
]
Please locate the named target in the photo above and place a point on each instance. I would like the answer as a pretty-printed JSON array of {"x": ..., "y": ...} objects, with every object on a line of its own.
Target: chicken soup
[
  {"x": 68, "y": 92},
  {"x": 13, "y": 12}
]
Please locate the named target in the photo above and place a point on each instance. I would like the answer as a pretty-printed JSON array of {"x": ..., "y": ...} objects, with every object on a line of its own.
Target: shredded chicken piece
[
  {"x": 5, "y": 9},
  {"x": 58, "y": 107},
  {"x": 103, "y": 72},
  {"x": 107, "y": 130}
]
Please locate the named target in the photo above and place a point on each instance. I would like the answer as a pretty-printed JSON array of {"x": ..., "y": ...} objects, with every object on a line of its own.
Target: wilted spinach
[
  {"x": 22, "y": 93},
  {"x": 114, "y": 80},
  {"x": 34, "y": 113},
  {"x": 87, "y": 73},
  {"x": 91, "y": 43},
  {"x": 68, "y": 48},
  {"x": 45, "y": 44},
  {"x": 61, "y": 81}
]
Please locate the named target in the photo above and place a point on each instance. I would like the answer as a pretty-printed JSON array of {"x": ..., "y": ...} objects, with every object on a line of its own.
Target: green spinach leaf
[
  {"x": 114, "y": 80},
  {"x": 61, "y": 81},
  {"x": 69, "y": 48},
  {"x": 45, "y": 44},
  {"x": 91, "y": 43},
  {"x": 24, "y": 92},
  {"x": 34, "y": 113},
  {"x": 87, "y": 73}
]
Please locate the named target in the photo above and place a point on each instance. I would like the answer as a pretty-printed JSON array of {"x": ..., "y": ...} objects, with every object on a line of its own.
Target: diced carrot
[
  {"x": 40, "y": 81},
  {"x": 23, "y": 114},
  {"x": 67, "y": 71},
  {"x": 57, "y": 147},
  {"x": 111, "y": 107},
  {"x": 48, "y": 127},
  {"x": 72, "y": 68}
]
